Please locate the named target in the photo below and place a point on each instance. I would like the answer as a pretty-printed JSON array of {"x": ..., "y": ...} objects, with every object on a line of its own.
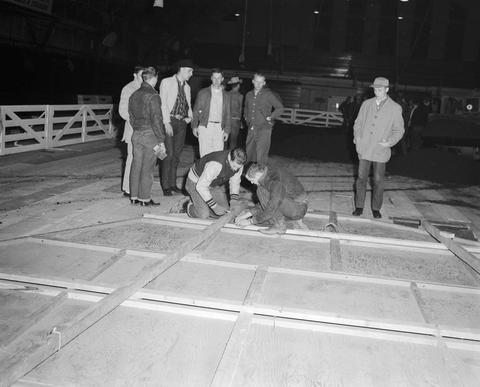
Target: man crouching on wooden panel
[
  {"x": 282, "y": 197},
  {"x": 206, "y": 183}
]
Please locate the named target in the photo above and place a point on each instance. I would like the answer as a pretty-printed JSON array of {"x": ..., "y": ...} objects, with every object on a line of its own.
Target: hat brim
[{"x": 374, "y": 85}]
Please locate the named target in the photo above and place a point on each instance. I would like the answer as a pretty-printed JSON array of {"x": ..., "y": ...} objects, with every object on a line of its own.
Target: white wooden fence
[
  {"x": 32, "y": 127},
  {"x": 316, "y": 118}
]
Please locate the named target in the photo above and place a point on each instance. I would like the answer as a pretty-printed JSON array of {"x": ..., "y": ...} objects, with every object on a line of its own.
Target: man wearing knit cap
[
  {"x": 236, "y": 105},
  {"x": 378, "y": 127}
]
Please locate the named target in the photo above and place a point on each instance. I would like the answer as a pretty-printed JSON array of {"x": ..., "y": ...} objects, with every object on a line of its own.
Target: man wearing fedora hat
[
  {"x": 177, "y": 113},
  {"x": 236, "y": 105},
  {"x": 378, "y": 127}
]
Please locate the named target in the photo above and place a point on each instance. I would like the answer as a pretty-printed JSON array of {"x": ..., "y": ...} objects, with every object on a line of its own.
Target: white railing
[
  {"x": 316, "y": 118},
  {"x": 32, "y": 127}
]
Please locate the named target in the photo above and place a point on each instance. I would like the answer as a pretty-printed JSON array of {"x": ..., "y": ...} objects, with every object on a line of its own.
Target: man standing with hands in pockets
[
  {"x": 378, "y": 127},
  {"x": 177, "y": 113}
]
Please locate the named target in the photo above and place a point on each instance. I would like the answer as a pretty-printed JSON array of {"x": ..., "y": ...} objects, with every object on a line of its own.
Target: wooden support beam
[
  {"x": 227, "y": 367},
  {"x": 292, "y": 234},
  {"x": 469, "y": 260},
  {"x": 30, "y": 354}
]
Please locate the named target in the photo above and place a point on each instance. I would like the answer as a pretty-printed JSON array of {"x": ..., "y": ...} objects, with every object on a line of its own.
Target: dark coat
[
  {"x": 145, "y": 111},
  {"x": 201, "y": 110}
]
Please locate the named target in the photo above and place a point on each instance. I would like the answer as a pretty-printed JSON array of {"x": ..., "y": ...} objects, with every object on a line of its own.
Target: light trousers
[
  {"x": 210, "y": 138},
  {"x": 128, "y": 166}
]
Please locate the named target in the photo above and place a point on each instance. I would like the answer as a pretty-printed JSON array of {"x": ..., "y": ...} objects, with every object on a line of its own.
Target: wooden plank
[
  {"x": 468, "y": 259},
  {"x": 227, "y": 367},
  {"x": 29, "y": 355},
  {"x": 43, "y": 312}
]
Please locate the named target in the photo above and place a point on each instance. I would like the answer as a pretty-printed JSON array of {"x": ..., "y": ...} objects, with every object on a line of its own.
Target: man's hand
[
  {"x": 219, "y": 210},
  {"x": 187, "y": 120},
  {"x": 385, "y": 143},
  {"x": 169, "y": 129},
  {"x": 245, "y": 214},
  {"x": 225, "y": 136},
  {"x": 244, "y": 222},
  {"x": 195, "y": 132}
]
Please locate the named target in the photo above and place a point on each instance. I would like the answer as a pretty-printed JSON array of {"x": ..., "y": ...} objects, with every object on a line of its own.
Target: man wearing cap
[
  {"x": 282, "y": 197},
  {"x": 177, "y": 113},
  {"x": 207, "y": 178},
  {"x": 262, "y": 106},
  {"x": 211, "y": 115},
  {"x": 378, "y": 127},
  {"x": 125, "y": 95},
  {"x": 236, "y": 105}
]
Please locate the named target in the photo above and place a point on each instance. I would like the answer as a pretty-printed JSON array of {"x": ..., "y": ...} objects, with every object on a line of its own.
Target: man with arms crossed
[{"x": 378, "y": 127}]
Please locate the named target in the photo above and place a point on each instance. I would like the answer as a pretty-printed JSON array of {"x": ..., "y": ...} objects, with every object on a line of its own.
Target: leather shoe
[
  {"x": 167, "y": 192},
  {"x": 150, "y": 203},
  {"x": 134, "y": 202},
  {"x": 376, "y": 214},
  {"x": 358, "y": 211},
  {"x": 176, "y": 190}
]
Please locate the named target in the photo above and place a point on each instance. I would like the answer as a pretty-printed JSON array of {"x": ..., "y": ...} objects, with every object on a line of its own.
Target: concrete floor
[{"x": 70, "y": 201}]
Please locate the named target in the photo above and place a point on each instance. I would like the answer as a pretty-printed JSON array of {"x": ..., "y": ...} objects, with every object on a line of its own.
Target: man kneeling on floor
[
  {"x": 281, "y": 196},
  {"x": 206, "y": 183}
]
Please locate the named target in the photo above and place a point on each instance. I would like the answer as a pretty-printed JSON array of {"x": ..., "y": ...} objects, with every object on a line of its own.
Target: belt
[
  {"x": 177, "y": 116},
  {"x": 214, "y": 122}
]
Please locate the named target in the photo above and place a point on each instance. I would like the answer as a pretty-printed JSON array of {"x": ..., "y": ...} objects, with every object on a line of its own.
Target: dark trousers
[
  {"x": 416, "y": 137},
  {"x": 289, "y": 209},
  {"x": 174, "y": 146},
  {"x": 234, "y": 131},
  {"x": 200, "y": 208},
  {"x": 143, "y": 165},
  {"x": 378, "y": 183},
  {"x": 258, "y": 145}
]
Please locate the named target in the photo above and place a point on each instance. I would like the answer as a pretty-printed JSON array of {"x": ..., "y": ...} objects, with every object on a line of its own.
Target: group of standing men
[{"x": 156, "y": 127}]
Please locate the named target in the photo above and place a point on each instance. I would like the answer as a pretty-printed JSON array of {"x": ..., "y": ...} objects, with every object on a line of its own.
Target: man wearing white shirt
[
  {"x": 177, "y": 113},
  {"x": 212, "y": 116},
  {"x": 127, "y": 91}
]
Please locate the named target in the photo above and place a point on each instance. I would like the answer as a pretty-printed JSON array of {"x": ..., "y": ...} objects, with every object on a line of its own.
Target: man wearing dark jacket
[
  {"x": 262, "y": 106},
  {"x": 417, "y": 123},
  {"x": 148, "y": 137},
  {"x": 211, "y": 116},
  {"x": 282, "y": 197}
]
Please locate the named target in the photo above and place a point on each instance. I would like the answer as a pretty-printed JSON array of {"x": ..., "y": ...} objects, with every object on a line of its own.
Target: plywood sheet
[
  {"x": 135, "y": 347},
  {"x": 293, "y": 357},
  {"x": 415, "y": 266},
  {"x": 270, "y": 251},
  {"x": 139, "y": 235},
  {"x": 451, "y": 309},
  {"x": 346, "y": 298},
  {"x": 40, "y": 259}
]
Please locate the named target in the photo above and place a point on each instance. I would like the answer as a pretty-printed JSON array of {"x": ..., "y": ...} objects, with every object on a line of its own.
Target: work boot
[
  {"x": 358, "y": 211},
  {"x": 278, "y": 228},
  {"x": 376, "y": 214}
]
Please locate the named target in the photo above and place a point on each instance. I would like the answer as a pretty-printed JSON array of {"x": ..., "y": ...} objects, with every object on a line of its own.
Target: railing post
[
  {"x": 48, "y": 127},
  {"x": 2, "y": 131},
  {"x": 327, "y": 120},
  {"x": 294, "y": 116},
  {"x": 110, "y": 125},
  {"x": 84, "y": 123}
]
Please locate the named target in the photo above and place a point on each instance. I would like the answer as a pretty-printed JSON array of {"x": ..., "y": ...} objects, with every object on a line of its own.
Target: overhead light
[
  {"x": 400, "y": 18},
  {"x": 404, "y": 1},
  {"x": 237, "y": 14},
  {"x": 316, "y": 12}
]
